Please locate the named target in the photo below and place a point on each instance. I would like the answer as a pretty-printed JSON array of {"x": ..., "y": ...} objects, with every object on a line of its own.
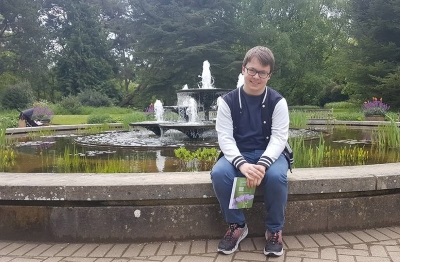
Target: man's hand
[{"x": 254, "y": 174}]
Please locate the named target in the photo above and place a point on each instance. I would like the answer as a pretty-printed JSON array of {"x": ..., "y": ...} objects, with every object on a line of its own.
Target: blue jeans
[{"x": 274, "y": 184}]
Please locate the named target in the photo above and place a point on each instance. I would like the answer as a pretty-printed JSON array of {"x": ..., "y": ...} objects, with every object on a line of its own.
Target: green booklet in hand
[{"x": 241, "y": 195}]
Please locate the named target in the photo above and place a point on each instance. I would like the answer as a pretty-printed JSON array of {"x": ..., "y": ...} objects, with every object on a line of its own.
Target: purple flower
[
  {"x": 375, "y": 107},
  {"x": 42, "y": 113}
]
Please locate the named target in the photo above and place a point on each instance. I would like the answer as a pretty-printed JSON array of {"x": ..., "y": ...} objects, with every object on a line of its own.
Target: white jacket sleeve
[
  {"x": 225, "y": 130},
  {"x": 279, "y": 137}
]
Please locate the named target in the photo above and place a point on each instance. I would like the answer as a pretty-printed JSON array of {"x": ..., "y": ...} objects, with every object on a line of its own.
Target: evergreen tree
[
  {"x": 23, "y": 45},
  {"x": 174, "y": 38},
  {"x": 375, "y": 53},
  {"x": 85, "y": 62}
]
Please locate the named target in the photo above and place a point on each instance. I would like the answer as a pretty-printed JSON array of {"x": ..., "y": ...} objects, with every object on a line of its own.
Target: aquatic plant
[
  {"x": 200, "y": 159},
  {"x": 387, "y": 136},
  {"x": 297, "y": 119},
  {"x": 375, "y": 107},
  {"x": 7, "y": 153}
]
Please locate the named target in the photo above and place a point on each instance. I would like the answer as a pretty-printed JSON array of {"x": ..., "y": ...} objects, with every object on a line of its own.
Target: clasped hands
[{"x": 254, "y": 174}]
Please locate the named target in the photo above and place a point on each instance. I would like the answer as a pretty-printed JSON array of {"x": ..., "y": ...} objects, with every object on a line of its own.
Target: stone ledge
[
  {"x": 158, "y": 186},
  {"x": 177, "y": 206}
]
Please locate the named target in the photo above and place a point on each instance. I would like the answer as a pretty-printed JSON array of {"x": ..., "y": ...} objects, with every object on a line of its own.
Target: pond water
[{"x": 142, "y": 151}]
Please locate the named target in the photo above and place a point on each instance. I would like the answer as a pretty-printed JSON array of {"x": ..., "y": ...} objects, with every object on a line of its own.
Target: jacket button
[
  {"x": 264, "y": 122},
  {"x": 263, "y": 105},
  {"x": 267, "y": 137}
]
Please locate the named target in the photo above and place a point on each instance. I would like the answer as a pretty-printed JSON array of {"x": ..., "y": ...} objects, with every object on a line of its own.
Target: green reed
[
  {"x": 306, "y": 154},
  {"x": 350, "y": 155},
  {"x": 298, "y": 119},
  {"x": 319, "y": 155},
  {"x": 201, "y": 159},
  {"x": 386, "y": 136},
  {"x": 7, "y": 153},
  {"x": 72, "y": 162},
  {"x": 40, "y": 133},
  {"x": 94, "y": 129}
]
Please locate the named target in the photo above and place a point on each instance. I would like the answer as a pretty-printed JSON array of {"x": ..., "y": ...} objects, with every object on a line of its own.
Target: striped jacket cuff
[
  {"x": 265, "y": 161},
  {"x": 238, "y": 161}
]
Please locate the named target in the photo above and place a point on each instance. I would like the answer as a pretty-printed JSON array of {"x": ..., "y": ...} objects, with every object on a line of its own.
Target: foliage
[
  {"x": 7, "y": 153},
  {"x": 100, "y": 118},
  {"x": 6, "y": 78},
  {"x": 387, "y": 136},
  {"x": 319, "y": 154},
  {"x": 374, "y": 56},
  {"x": 93, "y": 98},
  {"x": 9, "y": 118},
  {"x": 348, "y": 115},
  {"x": 342, "y": 105},
  {"x": 303, "y": 107},
  {"x": 17, "y": 96},
  {"x": 73, "y": 162},
  {"x": 176, "y": 37},
  {"x": 112, "y": 110},
  {"x": 297, "y": 119},
  {"x": 24, "y": 51},
  {"x": 84, "y": 63},
  {"x": 375, "y": 107},
  {"x": 134, "y": 117},
  {"x": 202, "y": 158},
  {"x": 42, "y": 111},
  {"x": 69, "y": 105},
  {"x": 135, "y": 52}
]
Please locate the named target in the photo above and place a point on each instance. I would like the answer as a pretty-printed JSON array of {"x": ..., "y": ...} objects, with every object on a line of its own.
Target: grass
[
  {"x": 341, "y": 111},
  {"x": 82, "y": 119},
  {"x": 69, "y": 119}
]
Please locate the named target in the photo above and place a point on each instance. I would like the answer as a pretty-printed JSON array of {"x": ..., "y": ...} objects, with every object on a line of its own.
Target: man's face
[{"x": 256, "y": 77}]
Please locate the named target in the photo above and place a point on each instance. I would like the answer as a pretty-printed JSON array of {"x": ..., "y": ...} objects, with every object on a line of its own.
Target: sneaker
[
  {"x": 232, "y": 238},
  {"x": 273, "y": 245}
]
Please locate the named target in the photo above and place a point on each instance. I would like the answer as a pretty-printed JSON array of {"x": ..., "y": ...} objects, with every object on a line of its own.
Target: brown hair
[{"x": 263, "y": 54}]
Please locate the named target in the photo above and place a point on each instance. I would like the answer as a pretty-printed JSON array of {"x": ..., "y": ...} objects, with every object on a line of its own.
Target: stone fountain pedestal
[{"x": 206, "y": 103}]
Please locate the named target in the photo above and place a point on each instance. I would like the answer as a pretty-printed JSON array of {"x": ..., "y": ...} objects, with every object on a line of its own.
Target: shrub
[
  {"x": 17, "y": 96},
  {"x": 342, "y": 105},
  {"x": 99, "y": 118},
  {"x": 71, "y": 105},
  {"x": 8, "y": 121},
  {"x": 133, "y": 117},
  {"x": 41, "y": 111},
  {"x": 375, "y": 107},
  {"x": 94, "y": 98}
]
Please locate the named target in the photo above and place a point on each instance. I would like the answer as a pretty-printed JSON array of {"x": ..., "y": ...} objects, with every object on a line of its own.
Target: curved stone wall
[{"x": 173, "y": 206}]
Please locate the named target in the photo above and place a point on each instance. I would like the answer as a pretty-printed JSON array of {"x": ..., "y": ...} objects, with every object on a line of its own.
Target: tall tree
[
  {"x": 375, "y": 52},
  {"x": 23, "y": 44},
  {"x": 84, "y": 61},
  {"x": 174, "y": 38},
  {"x": 117, "y": 16}
]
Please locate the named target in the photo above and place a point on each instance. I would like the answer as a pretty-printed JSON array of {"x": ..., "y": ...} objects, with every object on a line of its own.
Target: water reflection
[{"x": 142, "y": 151}]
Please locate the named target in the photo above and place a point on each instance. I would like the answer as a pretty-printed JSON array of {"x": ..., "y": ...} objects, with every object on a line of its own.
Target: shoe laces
[
  {"x": 230, "y": 233},
  {"x": 274, "y": 238}
]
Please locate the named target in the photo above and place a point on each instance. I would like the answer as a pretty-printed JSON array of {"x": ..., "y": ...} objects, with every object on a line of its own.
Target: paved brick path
[{"x": 369, "y": 245}]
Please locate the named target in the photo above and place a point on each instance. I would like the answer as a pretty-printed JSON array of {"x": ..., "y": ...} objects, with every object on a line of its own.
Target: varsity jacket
[{"x": 275, "y": 125}]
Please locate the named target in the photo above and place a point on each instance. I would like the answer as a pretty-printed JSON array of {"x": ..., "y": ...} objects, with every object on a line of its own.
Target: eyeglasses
[{"x": 253, "y": 72}]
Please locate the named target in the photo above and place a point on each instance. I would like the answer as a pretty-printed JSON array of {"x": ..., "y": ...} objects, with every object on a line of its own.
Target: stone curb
[{"x": 185, "y": 185}]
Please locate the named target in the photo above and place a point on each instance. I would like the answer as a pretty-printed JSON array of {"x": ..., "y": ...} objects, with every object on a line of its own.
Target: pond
[{"x": 141, "y": 151}]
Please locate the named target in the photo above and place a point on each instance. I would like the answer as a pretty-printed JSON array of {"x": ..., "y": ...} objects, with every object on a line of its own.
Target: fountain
[
  {"x": 193, "y": 107},
  {"x": 159, "y": 118}
]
